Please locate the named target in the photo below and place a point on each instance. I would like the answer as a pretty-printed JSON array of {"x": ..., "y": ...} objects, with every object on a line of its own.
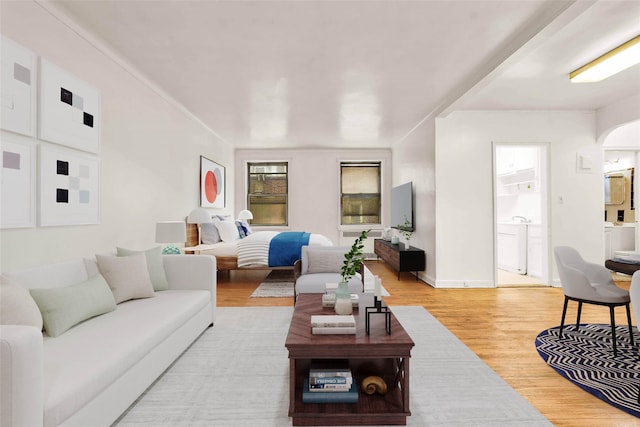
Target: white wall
[
  {"x": 150, "y": 150},
  {"x": 464, "y": 189},
  {"x": 314, "y": 185},
  {"x": 414, "y": 160}
]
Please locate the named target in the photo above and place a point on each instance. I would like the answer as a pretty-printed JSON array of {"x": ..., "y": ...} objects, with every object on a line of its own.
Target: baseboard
[{"x": 460, "y": 284}]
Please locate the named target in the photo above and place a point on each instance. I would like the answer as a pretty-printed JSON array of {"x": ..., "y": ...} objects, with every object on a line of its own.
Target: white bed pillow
[
  {"x": 228, "y": 230},
  {"x": 209, "y": 233}
]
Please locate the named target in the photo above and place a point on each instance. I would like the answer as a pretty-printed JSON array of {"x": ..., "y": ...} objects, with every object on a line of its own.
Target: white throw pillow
[
  {"x": 228, "y": 230},
  {"x": 128, "y": 276},
  {"x": 17, "y": 307}
]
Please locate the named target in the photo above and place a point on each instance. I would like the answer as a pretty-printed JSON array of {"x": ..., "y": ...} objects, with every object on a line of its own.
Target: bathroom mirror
[{"x": 614, "y": 188}]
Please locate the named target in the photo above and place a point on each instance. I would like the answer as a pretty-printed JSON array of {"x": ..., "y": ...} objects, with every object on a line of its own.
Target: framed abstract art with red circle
[{"x": 212, "y": 184}]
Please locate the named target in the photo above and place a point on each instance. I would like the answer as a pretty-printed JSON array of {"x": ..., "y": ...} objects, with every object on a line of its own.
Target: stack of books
[
  {"x": 329, "y": 300},
  {"x": 329, "y": 297},
  {"x": 329, "y": 386},
  {"x": 325, "y": 324}
]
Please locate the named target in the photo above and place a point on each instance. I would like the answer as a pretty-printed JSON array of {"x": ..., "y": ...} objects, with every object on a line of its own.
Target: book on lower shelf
[{"x": 347, "y": 396}]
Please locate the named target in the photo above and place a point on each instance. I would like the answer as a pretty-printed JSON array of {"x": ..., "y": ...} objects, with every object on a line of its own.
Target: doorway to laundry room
[{"x": 521, "y": 244}]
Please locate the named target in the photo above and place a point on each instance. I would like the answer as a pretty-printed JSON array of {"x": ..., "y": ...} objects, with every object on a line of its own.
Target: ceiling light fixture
[{"x": 612, "y": 62}]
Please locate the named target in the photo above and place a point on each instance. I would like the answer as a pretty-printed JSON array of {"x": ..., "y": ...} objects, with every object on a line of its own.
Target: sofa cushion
[
  {"x": 65, "y": 307},
  {"x": 127, "y": 277},
  {"x": 17, "y": 307},
  {"x": 91, "y": 356},
  {"x": 155, "y": 266}
]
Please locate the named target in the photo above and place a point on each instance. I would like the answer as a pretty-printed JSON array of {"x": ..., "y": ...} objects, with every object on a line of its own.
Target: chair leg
[
  {"x": 564, "y": 313},
  {"x": 579, "y": 315},
  {"x": 629, "y": 323},
  {"x": 613, "y": 329}
]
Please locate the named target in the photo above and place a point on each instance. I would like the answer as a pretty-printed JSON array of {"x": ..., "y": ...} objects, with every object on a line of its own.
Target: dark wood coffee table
[{"x": 378, "y": 354}]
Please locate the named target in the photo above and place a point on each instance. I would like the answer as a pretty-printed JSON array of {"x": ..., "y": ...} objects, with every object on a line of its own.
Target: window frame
[
  {"x": 379, "y": 164},
  {"x": 249, "y": 165}
]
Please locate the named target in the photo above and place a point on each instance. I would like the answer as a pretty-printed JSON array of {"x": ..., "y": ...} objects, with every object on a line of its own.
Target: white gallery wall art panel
[
  {"x": 69, "y": 187},
  {"x": 18, "y": 190},
  {"x": 70, "y": 112},
  {"x": 18, "y": 68}
]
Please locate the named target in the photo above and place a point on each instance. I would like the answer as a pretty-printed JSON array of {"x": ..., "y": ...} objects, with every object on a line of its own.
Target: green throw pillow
[
  {"x": 65, "y": 307},
  {"x": 155, "y": 265}
]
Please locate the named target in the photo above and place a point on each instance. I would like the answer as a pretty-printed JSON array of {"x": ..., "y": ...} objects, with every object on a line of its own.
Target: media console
[{"x": 405, "y": 259}]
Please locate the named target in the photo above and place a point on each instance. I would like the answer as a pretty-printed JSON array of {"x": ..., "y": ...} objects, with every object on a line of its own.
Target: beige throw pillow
[
  {"x": 128, "y": 277},
  {"x": 155, "y": 266},
  {"x": 321, "y": 261},
  {"x": 17, "y": 307},
  {"x": 64, "y": 307}
]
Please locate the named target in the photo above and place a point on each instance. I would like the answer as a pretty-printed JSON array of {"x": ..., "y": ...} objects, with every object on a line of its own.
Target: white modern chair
[
  {"x": 320, "y": 265},
  {"x": 589, "y": 283}
]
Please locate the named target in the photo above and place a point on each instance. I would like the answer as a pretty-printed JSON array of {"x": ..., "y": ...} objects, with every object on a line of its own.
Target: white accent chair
[
  {"x": 320, "y": 265},
  {"x": 589, "y": 283}
]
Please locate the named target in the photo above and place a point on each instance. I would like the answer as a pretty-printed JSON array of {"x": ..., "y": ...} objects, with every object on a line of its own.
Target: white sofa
[{"x": 90, "y": 374}]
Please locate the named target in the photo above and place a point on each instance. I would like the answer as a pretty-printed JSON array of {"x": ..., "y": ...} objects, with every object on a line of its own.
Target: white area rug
[
  {"x": 236, "y": 374},
  {"x": 279, "y": 284}
]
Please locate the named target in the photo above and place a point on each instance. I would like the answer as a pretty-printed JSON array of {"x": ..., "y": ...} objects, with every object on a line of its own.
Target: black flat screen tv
[{"x": 402, "y": 207}]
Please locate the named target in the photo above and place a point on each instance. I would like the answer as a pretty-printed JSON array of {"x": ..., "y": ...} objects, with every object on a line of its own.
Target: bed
[{"x": 252, "y": 251}]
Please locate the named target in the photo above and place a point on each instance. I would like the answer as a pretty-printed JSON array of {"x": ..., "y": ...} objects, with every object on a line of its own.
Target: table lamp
[
  {"x": 171, "y": 232},
  {"x": 199, "y": 216},
  {"x": 245, "y": 215}
]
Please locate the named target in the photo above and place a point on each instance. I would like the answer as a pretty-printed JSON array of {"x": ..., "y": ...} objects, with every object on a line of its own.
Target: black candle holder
[{"x": 378, "y": 308}]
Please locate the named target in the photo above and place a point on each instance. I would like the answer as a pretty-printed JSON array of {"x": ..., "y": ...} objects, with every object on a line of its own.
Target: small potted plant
[
  {"x": 352, "y": 263},
  {"x": 406, "y": 230}
]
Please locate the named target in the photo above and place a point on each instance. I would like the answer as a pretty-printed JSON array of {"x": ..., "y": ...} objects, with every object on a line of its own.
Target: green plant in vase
[
  {"x": 352, "y": 263},
  {"x": 353, "y": 259}
]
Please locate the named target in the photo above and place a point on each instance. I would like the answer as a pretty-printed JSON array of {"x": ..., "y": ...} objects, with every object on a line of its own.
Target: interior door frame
[{"x": 545, "y": 206}]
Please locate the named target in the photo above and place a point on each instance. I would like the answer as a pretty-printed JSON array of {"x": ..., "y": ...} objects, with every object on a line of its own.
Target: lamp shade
[
  {"x": 199, "y": 216},
  {"x": 171, "y": 232},
  {"x": 245, "y": 215}
]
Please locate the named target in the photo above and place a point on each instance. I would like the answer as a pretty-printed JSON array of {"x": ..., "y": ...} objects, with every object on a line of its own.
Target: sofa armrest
[
  {"x": 21, "y": 376},
  {"x": 191, "y": 272}
]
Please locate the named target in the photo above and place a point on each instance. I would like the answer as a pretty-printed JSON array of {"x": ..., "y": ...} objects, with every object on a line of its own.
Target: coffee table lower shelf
[{"x": 370, "y": 410}]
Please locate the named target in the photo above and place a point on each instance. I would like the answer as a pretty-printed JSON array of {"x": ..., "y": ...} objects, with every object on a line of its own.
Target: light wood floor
[{"x": 499, "y": 325}]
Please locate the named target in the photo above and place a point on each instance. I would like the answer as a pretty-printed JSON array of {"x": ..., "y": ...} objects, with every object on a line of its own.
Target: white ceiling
[{"x": 361, "y": 73}]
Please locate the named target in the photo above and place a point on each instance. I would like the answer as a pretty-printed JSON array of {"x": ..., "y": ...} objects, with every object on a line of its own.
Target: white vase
[{"x": 343, "y": 299}]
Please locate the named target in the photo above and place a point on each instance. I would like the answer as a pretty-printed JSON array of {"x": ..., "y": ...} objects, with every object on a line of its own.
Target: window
[
  {"x": 267, "y": 193},
  {"x": 360, "y": 193}
]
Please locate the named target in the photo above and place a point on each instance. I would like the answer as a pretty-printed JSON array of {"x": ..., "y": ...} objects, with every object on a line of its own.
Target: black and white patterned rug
[{"x": 585, "y": 357}]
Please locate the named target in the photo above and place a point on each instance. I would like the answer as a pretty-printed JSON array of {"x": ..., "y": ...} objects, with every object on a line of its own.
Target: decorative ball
[{"x": 171, "y": 250}]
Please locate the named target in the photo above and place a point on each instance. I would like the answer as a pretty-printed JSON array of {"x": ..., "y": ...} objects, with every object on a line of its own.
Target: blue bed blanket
[{"x": 286, "y": 247}]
